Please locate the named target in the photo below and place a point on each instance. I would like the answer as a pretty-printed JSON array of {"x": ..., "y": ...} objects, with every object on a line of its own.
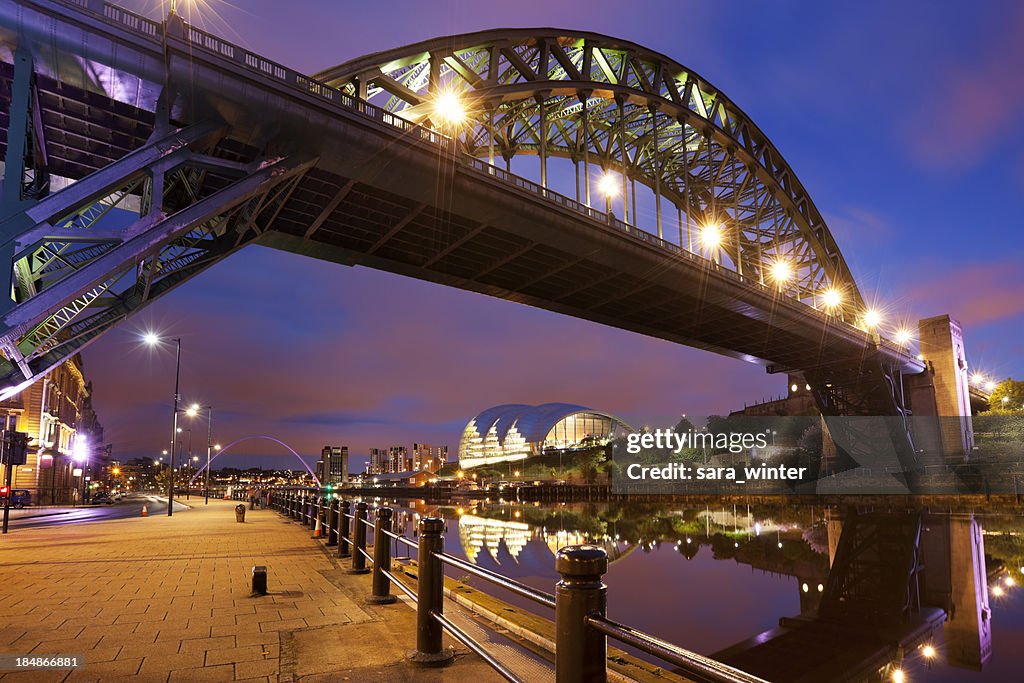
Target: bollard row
[{"x": 580, "y": 599}]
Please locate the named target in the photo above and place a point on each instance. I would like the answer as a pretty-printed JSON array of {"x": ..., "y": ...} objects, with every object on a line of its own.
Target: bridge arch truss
[{"x": 611, "y": 105}]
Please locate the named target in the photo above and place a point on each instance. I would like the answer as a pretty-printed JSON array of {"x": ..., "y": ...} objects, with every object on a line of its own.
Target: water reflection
[{"x": 792, "y": 593}]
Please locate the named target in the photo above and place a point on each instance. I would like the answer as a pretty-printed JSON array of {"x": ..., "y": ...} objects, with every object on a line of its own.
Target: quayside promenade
[{"x": 169, "y": 599}]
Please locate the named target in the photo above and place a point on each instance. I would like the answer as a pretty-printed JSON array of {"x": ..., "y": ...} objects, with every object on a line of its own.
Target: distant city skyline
[{"x": 314, "y": 353}]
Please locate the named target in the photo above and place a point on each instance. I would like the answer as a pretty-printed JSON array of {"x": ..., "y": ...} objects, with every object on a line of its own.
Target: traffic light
[{"x": 329, "y": 487}]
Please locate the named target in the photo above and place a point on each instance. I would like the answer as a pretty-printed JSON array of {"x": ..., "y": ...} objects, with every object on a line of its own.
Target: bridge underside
[{"x": 242, "y": 159}]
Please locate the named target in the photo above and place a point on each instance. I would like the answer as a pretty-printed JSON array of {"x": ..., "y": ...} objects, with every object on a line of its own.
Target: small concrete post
[
  {"x": 332, "y": 523},
  {"x": 580, "y": 650},
  {"x": 430, "y": 596},
  {"x": 381, "y": 594},
  {"x": 344, "y": 544},
  {"x": 359, "y": 534}
]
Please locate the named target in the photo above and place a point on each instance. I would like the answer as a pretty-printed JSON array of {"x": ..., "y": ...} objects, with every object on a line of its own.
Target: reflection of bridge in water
[
  {"x": 896, "y": 587},
  {"x": 894, "y": 581}
]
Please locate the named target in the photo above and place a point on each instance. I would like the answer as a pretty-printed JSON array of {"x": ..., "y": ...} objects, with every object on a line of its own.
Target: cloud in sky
[
  {"x": 981, "y": 294},
  {"x": 973, "y": 104}
]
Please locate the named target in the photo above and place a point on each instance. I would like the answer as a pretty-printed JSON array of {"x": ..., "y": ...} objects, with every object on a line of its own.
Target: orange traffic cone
[
  {"x": 317, "y": 533},
  {"x": 145, "y": 510}
]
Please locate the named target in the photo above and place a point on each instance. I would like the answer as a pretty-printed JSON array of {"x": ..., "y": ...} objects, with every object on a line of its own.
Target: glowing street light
[
  {"x": 450, "y": 109},
  {"x": 872, "y": 318},
  {"x": 192, "y": 411},
  {"x": 928, "y": 651},
  {"x": 898, "y": 676},
  {"x": 608, "y": 186},
  {"x": 990, "y": 386},
  {"x": 832, "y": 298},
  {"x": 781, "y": 271},
  {"x": 904, "y": 336},
  {"x": 151, "y": 339},
  {"x": 711, "y": 235},
  {"x": 978, "y": 379}
]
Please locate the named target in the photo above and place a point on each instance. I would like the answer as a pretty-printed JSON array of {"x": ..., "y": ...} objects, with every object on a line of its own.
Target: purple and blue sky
[{"x": 902, "y": 119}]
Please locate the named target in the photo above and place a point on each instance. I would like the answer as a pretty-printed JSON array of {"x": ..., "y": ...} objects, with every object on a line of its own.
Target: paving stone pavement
[{"x": 169, "y": 599}]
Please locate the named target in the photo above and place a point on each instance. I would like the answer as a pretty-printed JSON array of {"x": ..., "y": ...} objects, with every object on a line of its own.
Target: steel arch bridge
[
  {"x": 208, "y": 147},
  {"x": 619, "y": 106}
]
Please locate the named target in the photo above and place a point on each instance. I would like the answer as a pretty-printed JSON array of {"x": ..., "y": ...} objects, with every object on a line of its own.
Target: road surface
[{"x": 131, "y": 506}]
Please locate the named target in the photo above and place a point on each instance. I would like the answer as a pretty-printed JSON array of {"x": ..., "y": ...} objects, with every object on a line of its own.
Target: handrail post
[
  {"x": 332, "y": 523},
  {"x": 343, "y": 529},
  {"x": 430, "y": 596},
  {"x": 580, "y": 650},
  {"x": 359, "y": 534},
  {"x": 381, "y": 594}
]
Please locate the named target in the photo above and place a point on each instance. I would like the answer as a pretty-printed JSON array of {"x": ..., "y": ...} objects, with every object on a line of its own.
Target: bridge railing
[
  {"x": 581, "y": 623},
  {"x": 253, "y": 62}
]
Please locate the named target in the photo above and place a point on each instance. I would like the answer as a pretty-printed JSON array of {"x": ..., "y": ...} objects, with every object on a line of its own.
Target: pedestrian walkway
[{"x": 168, "y": 599}]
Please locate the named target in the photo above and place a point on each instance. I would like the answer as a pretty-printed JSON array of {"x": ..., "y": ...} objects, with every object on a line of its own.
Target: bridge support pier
[{"x": 942, "y": 392}]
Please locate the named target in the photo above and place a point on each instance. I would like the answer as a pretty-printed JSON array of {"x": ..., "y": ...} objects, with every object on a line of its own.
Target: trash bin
[{"x": 240, "y": 513}]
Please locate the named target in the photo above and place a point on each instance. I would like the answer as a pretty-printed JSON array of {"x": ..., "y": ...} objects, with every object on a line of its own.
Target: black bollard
[
  {"x": 430, "y": 597},
  {"x": 259, "y": 580},
  {"x": 580, "y": 650},
  {"x": 381, "y": 594},
  {"x": 359, "y": 534}
]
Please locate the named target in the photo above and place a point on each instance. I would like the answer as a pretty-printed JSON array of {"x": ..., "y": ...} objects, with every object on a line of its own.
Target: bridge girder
[
  {"x": 76, "y": 275},
  {"x": 618, "y": 106}
]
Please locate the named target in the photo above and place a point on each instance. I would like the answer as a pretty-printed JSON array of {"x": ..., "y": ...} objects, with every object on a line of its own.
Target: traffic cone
[
  {"x": 317, "y": 533},
  {"x": 145, "y": 510}
]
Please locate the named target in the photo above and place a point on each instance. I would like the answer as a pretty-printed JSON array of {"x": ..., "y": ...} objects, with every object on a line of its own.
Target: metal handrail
[
  {"x": 691, "y": 662},
  {"x": 521, "y": 589},
  {"x": 402, "y": 539},
  {"x": 475, "y": 646},
  {"x": 398, "y": 583}
]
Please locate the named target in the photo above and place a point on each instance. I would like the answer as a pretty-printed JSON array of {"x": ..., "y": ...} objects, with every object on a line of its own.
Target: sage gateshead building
[{"x": 515, "y": 432}]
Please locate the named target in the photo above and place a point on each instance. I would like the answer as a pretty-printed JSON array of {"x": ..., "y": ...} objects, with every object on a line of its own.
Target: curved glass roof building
[{"x": 516, "y": 431}]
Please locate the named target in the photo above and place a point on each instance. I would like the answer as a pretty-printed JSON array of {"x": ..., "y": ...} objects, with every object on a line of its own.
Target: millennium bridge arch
[{"x": 208, "y": 147}]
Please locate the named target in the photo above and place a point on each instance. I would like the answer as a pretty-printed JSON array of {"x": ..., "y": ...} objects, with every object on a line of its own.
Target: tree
[{"x": 1012, "y": 391}]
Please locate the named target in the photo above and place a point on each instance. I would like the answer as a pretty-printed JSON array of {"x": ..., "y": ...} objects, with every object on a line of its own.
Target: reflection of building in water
[
  {"x": 515, "y": 432},
  {"x": 480, "y": 533}
]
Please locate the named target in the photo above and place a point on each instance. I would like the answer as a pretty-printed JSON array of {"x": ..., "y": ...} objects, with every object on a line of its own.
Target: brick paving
[{"x": 168, "y": 599}]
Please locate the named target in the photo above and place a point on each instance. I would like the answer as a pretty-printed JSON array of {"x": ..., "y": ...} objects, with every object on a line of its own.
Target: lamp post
[
  {"x": 192, "y": 411},
  {"x": 152, "y": 340}
]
